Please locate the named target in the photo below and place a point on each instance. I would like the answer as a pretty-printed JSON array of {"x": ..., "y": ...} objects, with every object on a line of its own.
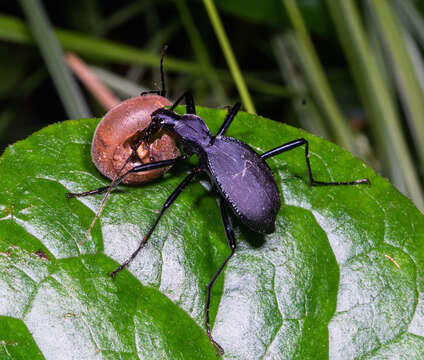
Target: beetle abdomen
[{"x": 245, "y": 181}]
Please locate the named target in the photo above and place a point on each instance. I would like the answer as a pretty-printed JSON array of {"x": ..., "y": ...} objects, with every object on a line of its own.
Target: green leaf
[{"x": 341, "y": 278}]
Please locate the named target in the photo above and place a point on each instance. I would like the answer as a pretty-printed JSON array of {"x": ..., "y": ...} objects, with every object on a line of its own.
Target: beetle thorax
[{"x": 192, "y": 132}]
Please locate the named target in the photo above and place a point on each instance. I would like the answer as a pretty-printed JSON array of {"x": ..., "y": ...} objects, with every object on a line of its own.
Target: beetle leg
[
  {"x": 232, "y": 244},
  {"x": 165, "y": 206},
  {"x": 190, "y": 107},
  {"x": 232, "y": 112},
  {"x": 299, "y": 142},
  {"x": 117, "y": 181}
]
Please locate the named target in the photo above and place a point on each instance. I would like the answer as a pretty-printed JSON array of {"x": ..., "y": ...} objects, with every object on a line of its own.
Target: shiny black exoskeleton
[
  {"x": 240, "y": 176},
  {"x": 237, "y": 172}
]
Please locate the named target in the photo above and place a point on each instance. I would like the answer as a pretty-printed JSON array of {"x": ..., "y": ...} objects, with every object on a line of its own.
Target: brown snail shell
[{"x": 118, "y": 133}]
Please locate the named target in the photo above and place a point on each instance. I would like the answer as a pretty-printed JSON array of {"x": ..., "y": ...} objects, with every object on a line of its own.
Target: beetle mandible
[{"x": 240, "y": 177}]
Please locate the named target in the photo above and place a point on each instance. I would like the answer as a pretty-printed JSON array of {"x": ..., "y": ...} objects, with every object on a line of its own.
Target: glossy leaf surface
[{"x": 342, "y": 276}]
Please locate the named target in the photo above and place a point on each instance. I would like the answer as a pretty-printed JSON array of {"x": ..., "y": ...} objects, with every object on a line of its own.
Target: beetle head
[{"x": 162, "y": 118}]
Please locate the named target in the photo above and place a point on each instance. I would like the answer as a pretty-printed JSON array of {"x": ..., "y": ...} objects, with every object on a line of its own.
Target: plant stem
[{"x": 229, "y": 56}]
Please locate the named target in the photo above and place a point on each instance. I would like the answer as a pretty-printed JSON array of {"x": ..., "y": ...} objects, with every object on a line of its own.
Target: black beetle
[{"x": 240, "y": 176}]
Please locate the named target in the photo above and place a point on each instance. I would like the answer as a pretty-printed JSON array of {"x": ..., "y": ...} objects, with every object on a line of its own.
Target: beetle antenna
[{"x": 162, "y": 74}]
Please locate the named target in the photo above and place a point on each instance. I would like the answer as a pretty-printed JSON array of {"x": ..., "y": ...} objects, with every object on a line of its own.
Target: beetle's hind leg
[
  {"x": 232, "y": 244},
  {"x": 299, "y": 142}
]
